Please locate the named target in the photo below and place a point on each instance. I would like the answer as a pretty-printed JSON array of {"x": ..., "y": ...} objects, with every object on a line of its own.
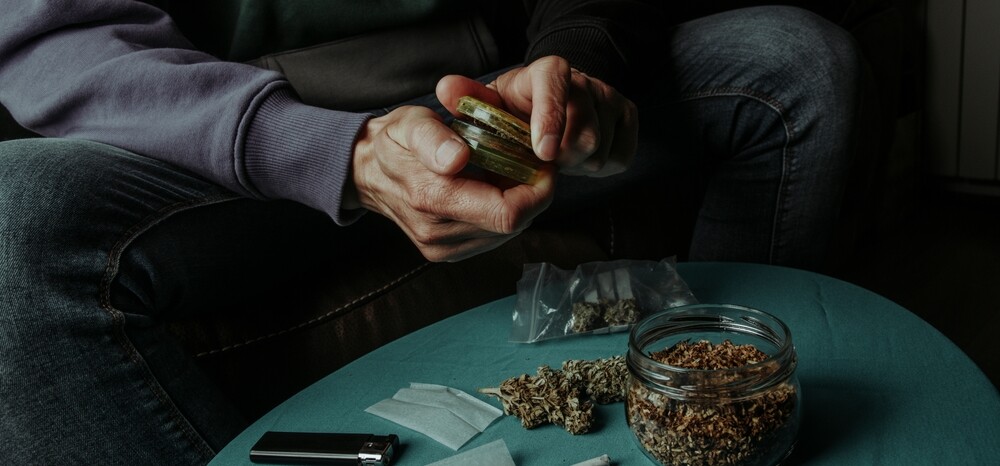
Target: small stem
[{"x": 492, "y": 391}]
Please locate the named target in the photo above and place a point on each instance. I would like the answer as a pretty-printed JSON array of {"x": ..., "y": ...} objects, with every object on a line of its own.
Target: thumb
[
  {"x": 433, "y": 143},
  {"x": 453, "y": 87}
]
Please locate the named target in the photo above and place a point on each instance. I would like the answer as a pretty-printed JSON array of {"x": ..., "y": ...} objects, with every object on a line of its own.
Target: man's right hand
[{"x": 407, "y": 167}]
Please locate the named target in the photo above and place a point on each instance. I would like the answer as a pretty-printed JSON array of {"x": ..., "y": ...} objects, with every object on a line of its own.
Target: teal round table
[{"x": 880, "y": 386}]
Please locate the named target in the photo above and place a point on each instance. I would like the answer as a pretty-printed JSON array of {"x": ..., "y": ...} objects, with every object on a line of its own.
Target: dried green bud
[{"x": 603, "y": 380}]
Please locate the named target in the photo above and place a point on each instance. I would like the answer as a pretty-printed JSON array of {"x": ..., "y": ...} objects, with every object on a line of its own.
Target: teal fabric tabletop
[{"x": 879, "y": 385}]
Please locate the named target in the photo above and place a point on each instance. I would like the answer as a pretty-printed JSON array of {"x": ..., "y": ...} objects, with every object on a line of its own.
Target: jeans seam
[
  {"x": 786, "y": 151},
  {"x": 354, "y": 302},
  {"x": 118, "y": 318}
]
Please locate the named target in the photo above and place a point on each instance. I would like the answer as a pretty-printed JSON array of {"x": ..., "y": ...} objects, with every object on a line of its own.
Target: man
[{"x": 142, "y": 128}]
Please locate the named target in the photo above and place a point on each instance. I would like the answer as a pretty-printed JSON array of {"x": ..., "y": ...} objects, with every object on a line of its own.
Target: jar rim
[{"x": 777, "y": 366}]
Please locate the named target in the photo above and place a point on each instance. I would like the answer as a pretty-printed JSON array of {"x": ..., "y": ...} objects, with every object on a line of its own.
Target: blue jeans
[{"x": 101, "y": 248}]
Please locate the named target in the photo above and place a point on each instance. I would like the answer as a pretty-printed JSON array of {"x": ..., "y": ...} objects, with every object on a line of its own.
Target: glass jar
[{"x": 743, "y": 415}]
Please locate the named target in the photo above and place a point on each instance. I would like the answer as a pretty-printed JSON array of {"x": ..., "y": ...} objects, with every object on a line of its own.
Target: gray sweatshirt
[{"x": 120, "y": 72}]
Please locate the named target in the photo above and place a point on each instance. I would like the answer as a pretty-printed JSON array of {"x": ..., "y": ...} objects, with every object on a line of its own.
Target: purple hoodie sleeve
[{"x": 119, "y": 72}]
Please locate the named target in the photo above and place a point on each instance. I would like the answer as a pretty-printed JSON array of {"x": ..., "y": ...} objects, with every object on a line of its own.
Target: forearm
[{"x": 118, "y": 72}]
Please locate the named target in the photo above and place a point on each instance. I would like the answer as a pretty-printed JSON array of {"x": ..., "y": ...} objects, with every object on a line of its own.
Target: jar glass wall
[{"x": 713, "y": 384}]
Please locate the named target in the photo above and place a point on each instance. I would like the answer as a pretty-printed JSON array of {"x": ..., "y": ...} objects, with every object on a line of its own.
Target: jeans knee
[
  {"x": 31, "y": 198},
  {"x": 62, "y": 204},
  {"x": 819, "y": 58},
  {"x": 70, "y": 212},
  {"x": 53, "y": 190},
  {"x": 789, "y": 55},
  {"x": 37, "y": 208}
]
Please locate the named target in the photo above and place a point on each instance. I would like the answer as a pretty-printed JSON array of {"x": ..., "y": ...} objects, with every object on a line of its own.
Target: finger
[
  {"x": 550, "y": 81},
  {"x": 428, "y": 232},
  {"x": 490, "y": 208},
  {"x": 468, "y": 201},
  {"x": 617, "y": 126},
  {"x": 619, "y": 134},
  {"x": 624, "y": 140},
  {"x": 434, "y": 144},
  {"x": 455, "y": 252},
  {"x": 452, "y": 87},
  {"x": 583, "y": 138},
  {"x": 445, "y": 240},
  {"x": 440, "y": 239}
]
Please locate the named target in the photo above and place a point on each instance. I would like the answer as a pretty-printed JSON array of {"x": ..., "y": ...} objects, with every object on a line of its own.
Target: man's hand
[
  {"x": 580, "y": 122},
  {"x": 406, "y": 167}
]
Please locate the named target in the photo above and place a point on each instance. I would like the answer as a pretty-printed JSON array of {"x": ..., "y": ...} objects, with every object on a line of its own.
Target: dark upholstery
[{"x": 264, "y": 351}]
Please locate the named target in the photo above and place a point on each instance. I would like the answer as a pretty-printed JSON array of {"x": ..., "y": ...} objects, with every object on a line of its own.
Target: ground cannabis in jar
[{"x": 711, "y": 430}]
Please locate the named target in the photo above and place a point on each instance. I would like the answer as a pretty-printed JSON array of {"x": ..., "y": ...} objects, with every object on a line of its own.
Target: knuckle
[
  {"x": 507, "y": 221},
  {"x": 425, "y": 234},
  {"x": 554, "y": 61},
  {"x": 423, "y": 198},
  {"x": 423, "y": 133},
  {"x": 588, "y": 141}
]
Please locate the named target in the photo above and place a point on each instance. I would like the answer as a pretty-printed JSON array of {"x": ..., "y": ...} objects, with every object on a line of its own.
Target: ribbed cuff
[{"x": 302, "y": 153}]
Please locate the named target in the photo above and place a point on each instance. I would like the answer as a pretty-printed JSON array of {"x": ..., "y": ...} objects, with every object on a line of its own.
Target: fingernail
[
  {"x": 446, "y": 153},
  {"x": 548, "y": 147}
]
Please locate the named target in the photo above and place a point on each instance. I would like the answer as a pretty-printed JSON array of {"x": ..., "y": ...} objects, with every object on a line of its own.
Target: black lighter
[{"x": 325, "y": 448}]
